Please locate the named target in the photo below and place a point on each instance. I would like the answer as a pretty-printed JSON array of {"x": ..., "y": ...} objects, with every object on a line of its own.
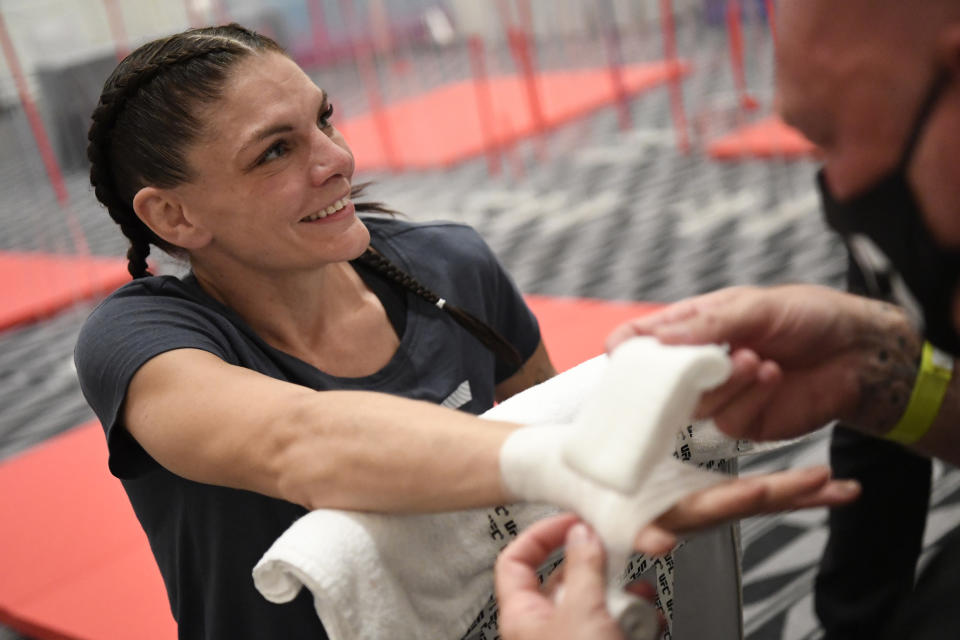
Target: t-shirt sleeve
[
  {"x": 118, "y": 338},
  {"x": 507, "y": 311}
]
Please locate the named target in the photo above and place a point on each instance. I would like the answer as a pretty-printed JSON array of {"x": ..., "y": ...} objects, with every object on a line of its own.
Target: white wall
[
  {"x": 47, "y": 32},
  {"x": 557, "y": 17}
]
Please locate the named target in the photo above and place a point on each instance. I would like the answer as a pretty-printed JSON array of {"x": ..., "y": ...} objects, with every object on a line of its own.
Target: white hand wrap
[
  {"x": 613, "y": 466},
  {"x": 533, "y": 470},
  {"x": 648, "y": 393}
]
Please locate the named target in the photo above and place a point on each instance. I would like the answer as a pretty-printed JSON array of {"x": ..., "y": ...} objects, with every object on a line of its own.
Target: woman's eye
[
  {"x": 324, "y": 120},
  {"x": 277, "y": 150}
]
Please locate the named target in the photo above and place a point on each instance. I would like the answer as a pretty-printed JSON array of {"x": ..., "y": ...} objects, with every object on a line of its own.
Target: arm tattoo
[{"x": 888, "y": 368}]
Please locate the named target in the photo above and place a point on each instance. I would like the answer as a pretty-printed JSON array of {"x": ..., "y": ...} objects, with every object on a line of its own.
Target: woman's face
[{"x": 271, "y": 175}]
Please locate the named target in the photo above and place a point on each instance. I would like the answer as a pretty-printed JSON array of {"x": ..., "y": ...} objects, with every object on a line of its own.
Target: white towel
[{"x": 376, "y": 576}]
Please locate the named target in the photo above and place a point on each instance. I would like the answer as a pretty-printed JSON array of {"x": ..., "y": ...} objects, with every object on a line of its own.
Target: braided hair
[
  {"x": 146, "y": 119},
  {"x": 483, "y": 332}
]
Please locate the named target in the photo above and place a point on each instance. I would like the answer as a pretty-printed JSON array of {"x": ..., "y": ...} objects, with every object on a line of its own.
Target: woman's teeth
[{"x": 336, "y": 206}]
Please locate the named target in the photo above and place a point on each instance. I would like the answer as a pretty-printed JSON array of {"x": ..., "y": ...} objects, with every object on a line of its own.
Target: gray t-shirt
[{"x": 205, "y": 538}]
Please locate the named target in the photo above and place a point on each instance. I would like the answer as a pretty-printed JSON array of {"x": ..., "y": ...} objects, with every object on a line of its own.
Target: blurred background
[{"x": 612, "y": 149}]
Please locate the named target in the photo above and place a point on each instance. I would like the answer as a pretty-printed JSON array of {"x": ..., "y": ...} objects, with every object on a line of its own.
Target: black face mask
[{"x": 885, "y": 231}]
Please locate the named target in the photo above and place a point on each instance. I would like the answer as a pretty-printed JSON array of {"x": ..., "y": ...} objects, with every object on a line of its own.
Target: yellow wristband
[{"x": 936, "y": 369}]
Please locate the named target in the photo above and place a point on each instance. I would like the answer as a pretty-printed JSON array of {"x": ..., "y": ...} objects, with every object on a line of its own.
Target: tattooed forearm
[{"x": 887, "y": 369}]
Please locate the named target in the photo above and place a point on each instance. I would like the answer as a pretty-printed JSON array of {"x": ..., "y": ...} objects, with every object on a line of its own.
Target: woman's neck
[{"x": 298, "y": 311}]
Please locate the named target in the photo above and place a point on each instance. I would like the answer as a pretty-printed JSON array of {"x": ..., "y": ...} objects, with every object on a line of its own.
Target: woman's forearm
[
  {"x": 216, "y": 423},
  {"x": 368, "y": 451}
]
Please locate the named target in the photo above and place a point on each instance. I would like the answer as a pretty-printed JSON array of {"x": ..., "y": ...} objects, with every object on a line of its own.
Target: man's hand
[
  {"x": 528, "y": 612},
  {"x": 803, "y": 356}
]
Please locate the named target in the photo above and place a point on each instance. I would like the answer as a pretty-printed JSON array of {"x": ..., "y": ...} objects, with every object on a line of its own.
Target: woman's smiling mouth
[{"x": 334, "y": 208}]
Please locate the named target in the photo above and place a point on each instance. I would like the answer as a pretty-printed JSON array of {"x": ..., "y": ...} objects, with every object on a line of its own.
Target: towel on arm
[{"x": 377, "y": 576}]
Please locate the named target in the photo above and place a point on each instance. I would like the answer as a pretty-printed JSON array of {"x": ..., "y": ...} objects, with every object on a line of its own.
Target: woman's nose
[
  {"x": 328, "y": 159},
  {"x": 319, "y": 174}
]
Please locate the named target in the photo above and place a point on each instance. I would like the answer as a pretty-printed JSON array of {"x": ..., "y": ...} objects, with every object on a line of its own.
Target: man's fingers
[
  {"x": 553, "y": 582},
  {"x": 742, "y": 415},
  {"x": 517, "y": 566},
  {"x": 646, "y": 325},
  {"x": 734, "y": 316},
  {"x": 585, "y": 574},
  {"x": 623, "y": 333},
  {"x": 744, "y": 373}
]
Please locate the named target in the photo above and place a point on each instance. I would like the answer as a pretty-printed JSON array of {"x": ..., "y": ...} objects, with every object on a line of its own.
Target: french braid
[
  {"x": 128, "y": 150},
  {"x": 487, "y": 335}
]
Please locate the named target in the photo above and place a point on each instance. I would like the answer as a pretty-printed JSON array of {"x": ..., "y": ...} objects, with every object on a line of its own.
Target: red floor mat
[
  {"x": 444, "y": 126},
  {"x": 73, "y": 559},
  {"x": 34, "y": 285},
  {"x": 768, "y": 138},
  {"x": 574, "y": 329}
]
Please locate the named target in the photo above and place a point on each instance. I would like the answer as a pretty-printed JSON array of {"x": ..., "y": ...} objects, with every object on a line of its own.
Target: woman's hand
[
  {"x": 744, "y": 497},
  {"x": 529, "y": 612}
]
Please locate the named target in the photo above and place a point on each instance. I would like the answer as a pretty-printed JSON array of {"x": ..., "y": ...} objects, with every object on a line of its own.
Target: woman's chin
[{"x": 348, "y": 243}]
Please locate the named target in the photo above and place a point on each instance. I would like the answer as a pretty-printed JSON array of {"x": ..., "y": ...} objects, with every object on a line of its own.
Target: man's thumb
[{"x": 585, "y": 571}]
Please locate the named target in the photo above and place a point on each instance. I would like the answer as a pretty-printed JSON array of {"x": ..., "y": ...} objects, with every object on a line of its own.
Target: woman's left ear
[{"x": 164, "y": 212}]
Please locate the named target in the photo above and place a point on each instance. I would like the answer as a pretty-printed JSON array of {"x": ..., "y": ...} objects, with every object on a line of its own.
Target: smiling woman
[
  {"x": 215, "y": 146},
  {"x": 303, "y": 361},
  {"x": 266, "y": 161}
]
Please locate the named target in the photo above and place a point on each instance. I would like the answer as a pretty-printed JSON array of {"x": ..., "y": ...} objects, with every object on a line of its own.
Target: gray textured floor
[{"x": 604, "y": 213}]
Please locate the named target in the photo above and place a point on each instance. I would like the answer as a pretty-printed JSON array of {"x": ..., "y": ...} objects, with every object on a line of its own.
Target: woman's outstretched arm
[
  {"x": 220, "y": 424},
  {"x": 213, "y": 422}
]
